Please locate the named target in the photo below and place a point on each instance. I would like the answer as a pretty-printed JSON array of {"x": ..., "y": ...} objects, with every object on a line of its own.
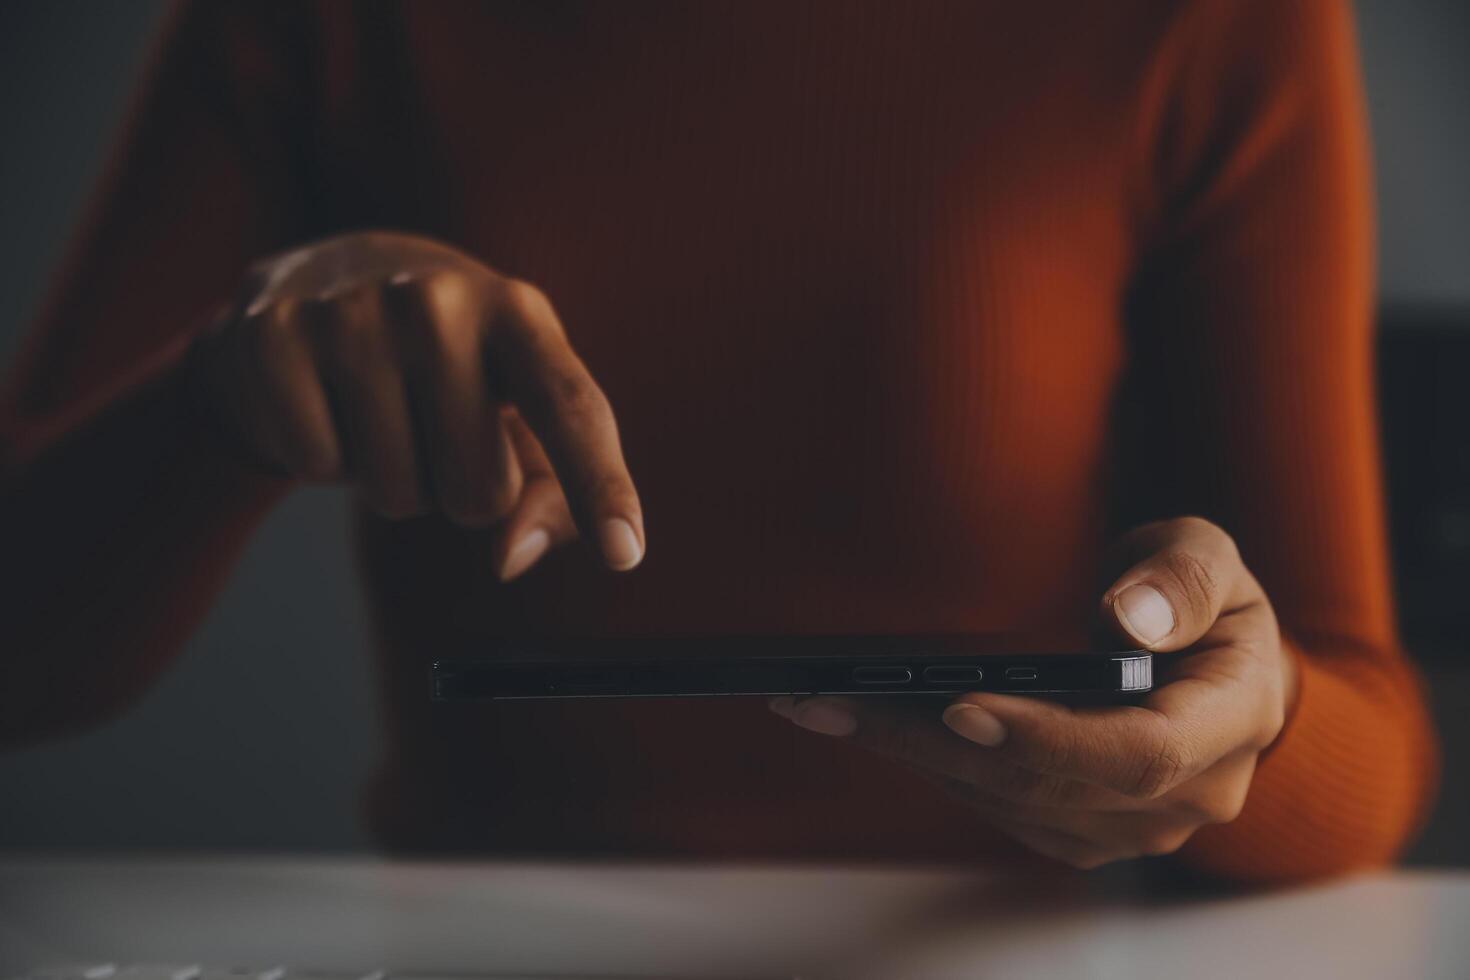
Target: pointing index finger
[{"x": 537, "y": 370}]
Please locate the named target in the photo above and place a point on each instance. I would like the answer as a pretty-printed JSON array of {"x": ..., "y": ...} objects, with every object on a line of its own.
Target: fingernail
[
  {"x": 1144, "y": 612},
  {"x": 824, "y": 718},
  {"x": 976, "y": 724},
  {"x": 620, "y": 545},
  {"x": 782, "y": 705},
  {"x": 524, "y": 553}
]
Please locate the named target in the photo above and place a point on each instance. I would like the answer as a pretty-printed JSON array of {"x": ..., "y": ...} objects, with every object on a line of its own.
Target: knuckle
[
  {"x": 522, "y": 314},
  {"x": 1213, "y": 533},
  {"x": 281, "y": 317},
  {"x": 1195, "y": 582},
  {"x": 447, "y": 297},
  {"x": 1193, "y": 524},
  {"x": 524, "y": 299},
  {"x": 1214, "y": 537},
  {"x": 610, "y": 490}
]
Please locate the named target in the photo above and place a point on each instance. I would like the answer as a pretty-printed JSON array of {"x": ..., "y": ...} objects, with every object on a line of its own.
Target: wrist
[{"x": 1290, "y": 689}]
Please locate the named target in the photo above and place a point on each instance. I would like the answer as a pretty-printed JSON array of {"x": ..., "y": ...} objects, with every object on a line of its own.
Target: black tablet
[{"x": 708, "y": 666}]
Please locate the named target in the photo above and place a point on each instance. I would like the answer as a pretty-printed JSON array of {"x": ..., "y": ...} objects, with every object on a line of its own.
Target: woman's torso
[{"x": 851, "y": 275}]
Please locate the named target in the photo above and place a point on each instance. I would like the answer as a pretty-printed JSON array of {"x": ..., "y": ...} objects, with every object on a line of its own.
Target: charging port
[{"x": 1020, "y": 673}]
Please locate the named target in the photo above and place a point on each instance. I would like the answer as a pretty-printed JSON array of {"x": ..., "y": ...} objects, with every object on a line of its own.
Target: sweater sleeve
[
  {"x": 121, "y": 515},
  {"x": 1253, "y": 312}
]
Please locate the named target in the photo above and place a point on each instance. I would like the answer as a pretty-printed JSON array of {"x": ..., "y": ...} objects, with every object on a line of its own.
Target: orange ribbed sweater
[{"x": 904, "y": 309}]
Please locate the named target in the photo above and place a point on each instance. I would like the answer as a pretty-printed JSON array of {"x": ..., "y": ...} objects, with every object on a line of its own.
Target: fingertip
[
  {"x": 621, "y": 548},
  {"x": 1010, "y": 710},
  {"x": 783, "y": 705},
  {"x": 993, "y": 702},
  {"x": 524, "y": 552},
  {"x": 970, "y": 721},
  {"x": 825, "y": 716}
]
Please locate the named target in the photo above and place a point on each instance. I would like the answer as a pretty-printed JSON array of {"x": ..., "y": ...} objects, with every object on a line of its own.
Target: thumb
[{"x": 1188, "y": 573}]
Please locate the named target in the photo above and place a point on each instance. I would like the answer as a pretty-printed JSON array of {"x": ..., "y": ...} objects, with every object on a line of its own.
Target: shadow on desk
[{"x": 1446, "y": 840}]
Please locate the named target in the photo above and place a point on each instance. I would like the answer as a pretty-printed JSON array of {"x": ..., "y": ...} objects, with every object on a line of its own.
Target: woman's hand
[
  {"x": 430, "y": 382},
  {"x": 1087, "y": 786}
]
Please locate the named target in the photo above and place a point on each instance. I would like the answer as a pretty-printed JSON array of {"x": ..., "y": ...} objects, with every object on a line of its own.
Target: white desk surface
[{"x": 551, "y": 920}]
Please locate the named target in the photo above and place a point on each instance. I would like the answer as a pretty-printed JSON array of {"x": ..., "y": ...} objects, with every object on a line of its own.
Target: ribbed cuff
[{"x": 1344, "y": 786}]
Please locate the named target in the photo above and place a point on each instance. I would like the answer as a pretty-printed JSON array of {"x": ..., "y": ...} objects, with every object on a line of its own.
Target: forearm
[
  {"x": 1344, "y": 787},
  {"x": 120, "y": 522}
]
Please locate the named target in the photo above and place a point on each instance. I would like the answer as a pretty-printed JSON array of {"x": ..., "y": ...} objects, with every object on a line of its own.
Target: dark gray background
[{"x": 263, "y": 732}]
